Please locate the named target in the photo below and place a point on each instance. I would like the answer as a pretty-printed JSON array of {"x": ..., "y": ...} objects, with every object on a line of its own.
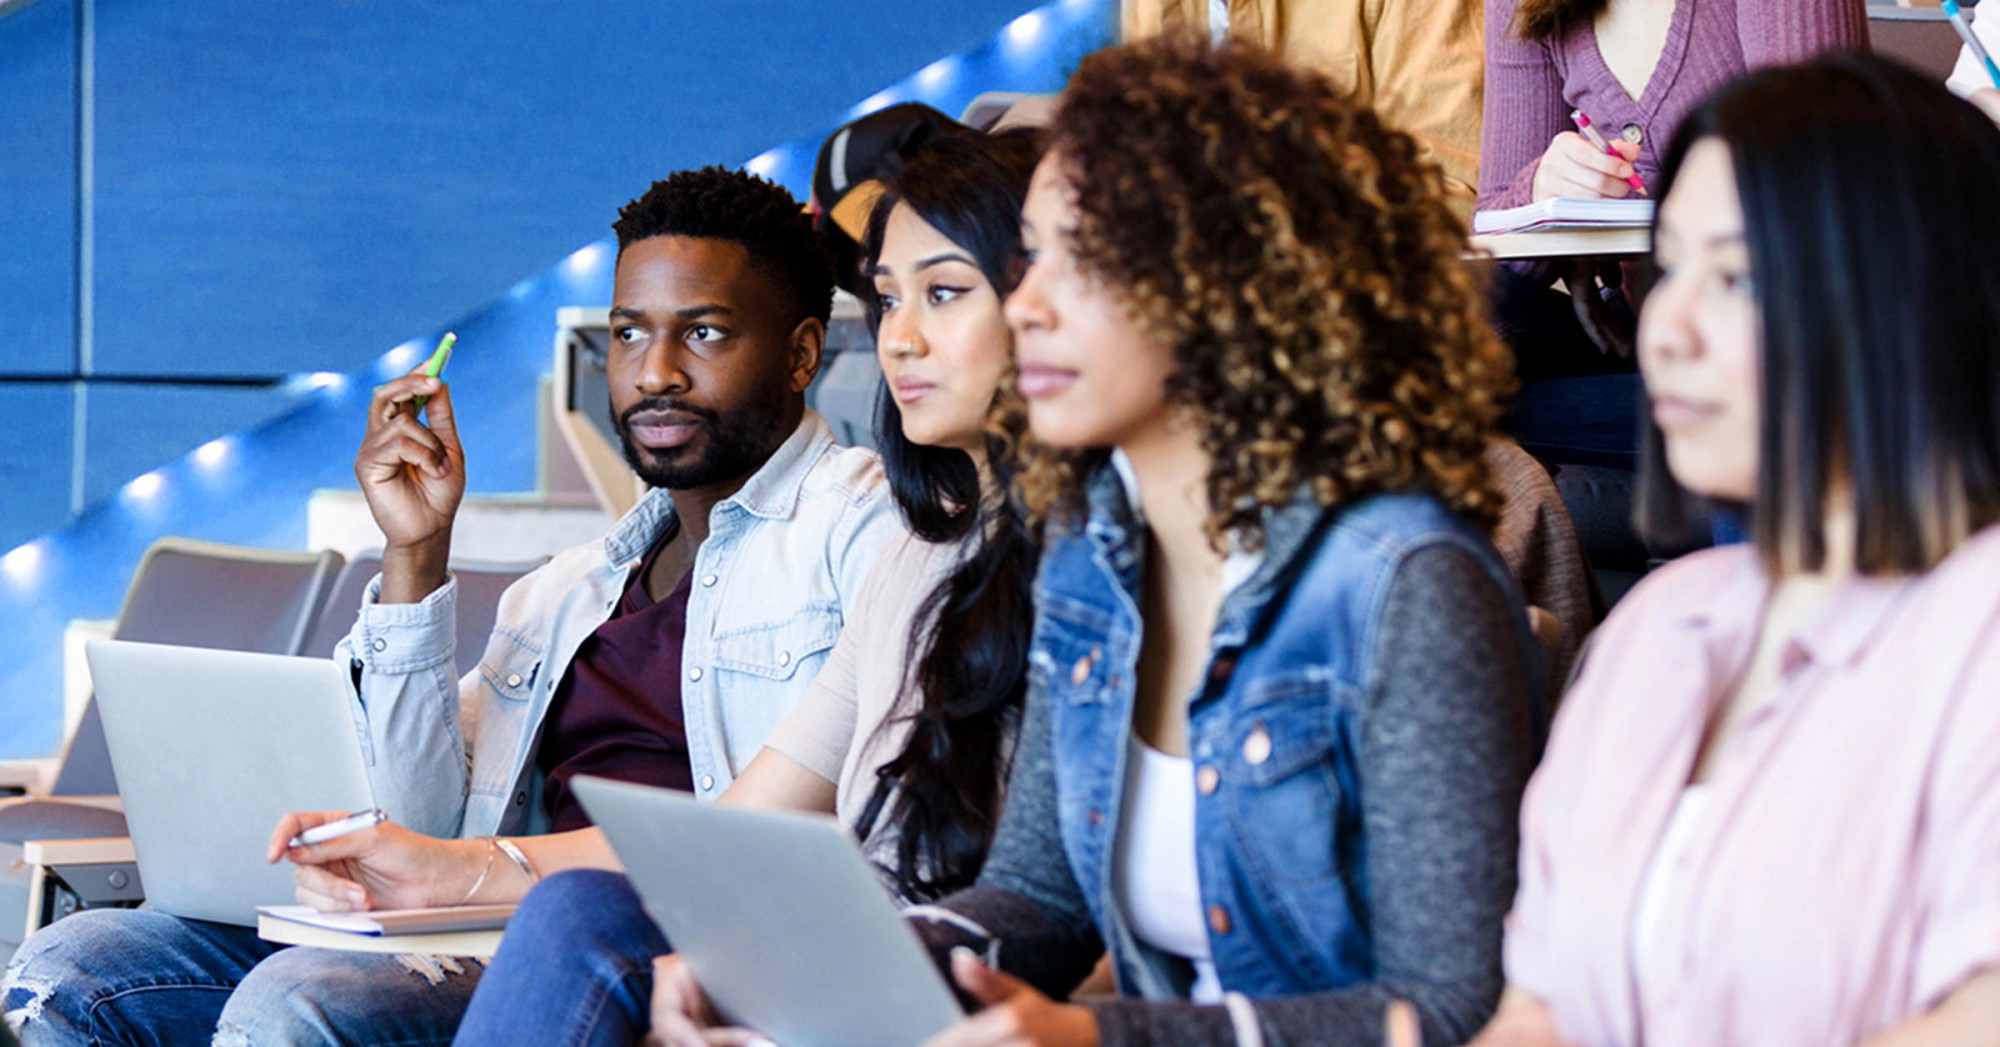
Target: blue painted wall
[
  {"x": 37, "y": 266},
  {"x": 279, "y": 188},
  {"x": 240, "y": 274},
  {"x": 38, "y": 191}
]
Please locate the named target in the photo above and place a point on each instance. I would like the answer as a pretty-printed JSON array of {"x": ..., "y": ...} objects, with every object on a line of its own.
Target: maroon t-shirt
[{"x": 617, "y": 712}]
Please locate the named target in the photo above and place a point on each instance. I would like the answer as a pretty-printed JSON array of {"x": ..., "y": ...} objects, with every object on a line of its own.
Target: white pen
[{"x": 353, "y": 823}]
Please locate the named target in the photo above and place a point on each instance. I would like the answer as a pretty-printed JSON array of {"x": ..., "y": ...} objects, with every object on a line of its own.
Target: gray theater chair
[
  {"x": 186, "y": 592},
  {"x": 480, "y": 584},
  {"x": 96, "y": 869}
]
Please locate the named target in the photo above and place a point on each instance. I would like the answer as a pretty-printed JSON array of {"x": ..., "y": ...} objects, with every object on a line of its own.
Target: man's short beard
[{"x": 732, "y": 449}]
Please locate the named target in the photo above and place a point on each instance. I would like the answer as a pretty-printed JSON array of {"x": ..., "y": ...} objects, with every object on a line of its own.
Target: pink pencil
[{"x": 1584, "y": 128}]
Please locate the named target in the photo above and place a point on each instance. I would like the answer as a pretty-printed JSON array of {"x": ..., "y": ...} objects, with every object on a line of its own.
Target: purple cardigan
[{"x": 1531, "y": 87}]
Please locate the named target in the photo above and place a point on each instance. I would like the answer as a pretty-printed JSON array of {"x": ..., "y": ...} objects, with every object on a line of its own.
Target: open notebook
[
  {"x": 397, "y": 921},
  {"x": 1564, "y": 212}
]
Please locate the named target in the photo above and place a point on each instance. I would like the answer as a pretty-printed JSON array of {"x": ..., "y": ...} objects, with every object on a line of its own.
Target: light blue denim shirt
[{"x": 785, "y": 554}]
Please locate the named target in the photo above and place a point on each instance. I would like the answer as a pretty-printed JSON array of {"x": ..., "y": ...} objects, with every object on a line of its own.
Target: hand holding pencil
[
  {"x": 1577, "y": 167},
  {"x": 412, "y": 474},
  {"x": 1589, "y": 131}
]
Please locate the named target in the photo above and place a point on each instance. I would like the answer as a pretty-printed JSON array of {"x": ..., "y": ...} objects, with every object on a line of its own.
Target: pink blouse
[{"x": 1845, "y": 873}]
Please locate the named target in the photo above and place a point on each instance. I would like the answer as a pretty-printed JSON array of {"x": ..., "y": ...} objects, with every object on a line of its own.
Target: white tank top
[{"x": 1153, "y": 874}]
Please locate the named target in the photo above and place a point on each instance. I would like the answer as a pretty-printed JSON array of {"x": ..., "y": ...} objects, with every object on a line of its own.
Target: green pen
[{"x": 435, "y": 366}]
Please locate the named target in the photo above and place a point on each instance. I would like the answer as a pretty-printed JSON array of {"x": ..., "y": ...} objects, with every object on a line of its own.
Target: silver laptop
[
  {"x": 779, "y": 916},
  {"x": 211, "y": 748}
]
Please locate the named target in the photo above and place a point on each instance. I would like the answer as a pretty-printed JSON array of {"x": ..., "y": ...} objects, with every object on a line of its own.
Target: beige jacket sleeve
[{"x": 1421, "y": 65}]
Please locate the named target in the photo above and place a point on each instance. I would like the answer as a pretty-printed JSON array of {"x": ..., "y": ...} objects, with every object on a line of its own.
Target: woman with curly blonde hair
[{"x": 1283, "y": 695}]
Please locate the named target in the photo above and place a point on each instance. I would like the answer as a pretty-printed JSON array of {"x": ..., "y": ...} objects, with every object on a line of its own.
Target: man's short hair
[{"x": 721, "y": 204}]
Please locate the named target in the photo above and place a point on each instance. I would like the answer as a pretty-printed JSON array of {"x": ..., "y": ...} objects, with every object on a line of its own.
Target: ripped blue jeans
[{"x": 143, "y": 978}]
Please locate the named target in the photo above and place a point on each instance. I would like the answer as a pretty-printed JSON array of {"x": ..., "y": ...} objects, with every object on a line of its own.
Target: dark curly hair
[
  {"x": 970, "y": 660},
  {"x": 721, "y": 204},
  {"x": 1302, "y": 262}
]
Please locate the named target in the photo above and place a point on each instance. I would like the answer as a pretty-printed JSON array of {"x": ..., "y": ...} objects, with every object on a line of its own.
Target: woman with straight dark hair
[
  {"x": 1770, "y": 812},
  {"x": 926, "y": 746},
  {"x": 907, "y": 732}
]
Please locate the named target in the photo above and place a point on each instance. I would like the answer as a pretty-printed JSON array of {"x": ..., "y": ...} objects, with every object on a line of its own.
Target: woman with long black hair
[{"x": 907, "y": 731}]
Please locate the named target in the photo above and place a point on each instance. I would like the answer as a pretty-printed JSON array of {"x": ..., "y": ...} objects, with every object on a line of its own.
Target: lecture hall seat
[{"x": 187, "y": 592}]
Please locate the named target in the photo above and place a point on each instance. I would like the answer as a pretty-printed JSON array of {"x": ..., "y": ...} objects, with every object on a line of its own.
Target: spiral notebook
[
  {"x": 1564, "y": 212},
  {"x": 443, "y": 920}
]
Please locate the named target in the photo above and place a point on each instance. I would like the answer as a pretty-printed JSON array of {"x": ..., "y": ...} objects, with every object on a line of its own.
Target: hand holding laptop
[
  {"x": 1014, "y": 1012},
  {"x": 809, "y": 949},
  {"x": 682, "y": 1015}
]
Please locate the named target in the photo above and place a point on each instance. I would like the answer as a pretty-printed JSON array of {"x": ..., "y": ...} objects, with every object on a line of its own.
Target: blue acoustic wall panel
[
  {"x": 272, "y": 313},
  {"x": 38, "y": 115},
  {"x": 288, "y": 188},
  {"x": 35, "y": 456},
  {"x": 294, "y": 187},
  {"x": 131, "y": 428},
  {"x": 251, "y": 486}
]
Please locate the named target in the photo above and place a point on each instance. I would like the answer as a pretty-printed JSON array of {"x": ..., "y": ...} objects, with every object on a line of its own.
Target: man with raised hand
[{"x": 662, "y": 654}]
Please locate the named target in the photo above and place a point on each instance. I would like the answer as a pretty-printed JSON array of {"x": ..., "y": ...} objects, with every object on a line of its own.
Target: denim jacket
[
  {"x": 784, "y": 555},
  {"x": 1272, "y": 730}
]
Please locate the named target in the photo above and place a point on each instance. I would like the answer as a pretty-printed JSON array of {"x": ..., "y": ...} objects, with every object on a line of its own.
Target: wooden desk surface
[
  {"x": 107, "y": 850},
  {"x": 1562, "y": 243}
]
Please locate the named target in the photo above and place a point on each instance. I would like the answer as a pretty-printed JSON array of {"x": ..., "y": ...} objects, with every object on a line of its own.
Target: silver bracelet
[
  {"x": 483, "y": 872},
  {"x": 520, "y": 861}
]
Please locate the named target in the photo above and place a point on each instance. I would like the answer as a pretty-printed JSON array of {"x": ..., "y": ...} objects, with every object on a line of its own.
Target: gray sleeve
[
  {"x": 1026, "y": 898},
  {"x": 1446, "y": 745}
]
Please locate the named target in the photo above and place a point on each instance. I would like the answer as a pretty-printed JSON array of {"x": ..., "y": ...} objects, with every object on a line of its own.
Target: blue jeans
[
  {"x": 1587, "y": 420},
  {"x": 575, "y": 967},
  {"x": 1578, "y": 405},
  {"x": 122, "y": 976}
]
